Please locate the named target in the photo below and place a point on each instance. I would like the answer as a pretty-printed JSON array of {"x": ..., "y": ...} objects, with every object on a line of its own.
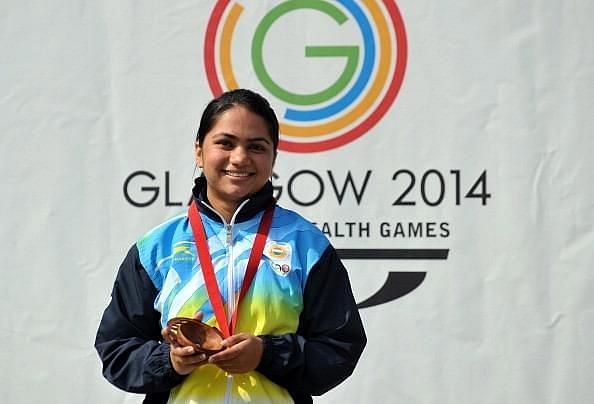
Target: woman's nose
[{"x": 239, "y": 155}]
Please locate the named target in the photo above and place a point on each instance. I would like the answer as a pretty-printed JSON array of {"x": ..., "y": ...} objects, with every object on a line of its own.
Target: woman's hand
[
  {"x": 243, "y": 353},
  {"x": 183, "y": 359}
]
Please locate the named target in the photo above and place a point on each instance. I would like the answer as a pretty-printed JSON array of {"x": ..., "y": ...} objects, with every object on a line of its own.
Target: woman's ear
[{"x": 198, "y": 155}]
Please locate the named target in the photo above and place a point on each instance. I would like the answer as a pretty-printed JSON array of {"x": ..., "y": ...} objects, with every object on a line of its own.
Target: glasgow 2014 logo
[{"x": 351, "y": 72}]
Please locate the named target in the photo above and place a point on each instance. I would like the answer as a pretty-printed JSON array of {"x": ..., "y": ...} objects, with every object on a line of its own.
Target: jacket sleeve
[
  {"x": 129, "y": 339},
  {"x": 330, "y": 337}
]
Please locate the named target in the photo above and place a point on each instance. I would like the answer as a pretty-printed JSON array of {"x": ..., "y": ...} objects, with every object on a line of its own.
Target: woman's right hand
[{"x": 183, "y": 358}]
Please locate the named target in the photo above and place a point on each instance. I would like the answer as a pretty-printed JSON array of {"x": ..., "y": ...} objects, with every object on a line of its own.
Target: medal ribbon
[{"x": 214, "y": 293}]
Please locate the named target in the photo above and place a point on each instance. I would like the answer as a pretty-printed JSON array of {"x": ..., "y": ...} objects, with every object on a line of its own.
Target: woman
[{"x": 293, "y": 331}]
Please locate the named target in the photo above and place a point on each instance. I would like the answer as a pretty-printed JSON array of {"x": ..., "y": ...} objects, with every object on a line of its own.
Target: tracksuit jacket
[{"x": 300, "y": 303}]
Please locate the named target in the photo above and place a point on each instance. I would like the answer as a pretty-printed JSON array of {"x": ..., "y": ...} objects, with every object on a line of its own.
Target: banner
[{"x": 444, "y": 150}]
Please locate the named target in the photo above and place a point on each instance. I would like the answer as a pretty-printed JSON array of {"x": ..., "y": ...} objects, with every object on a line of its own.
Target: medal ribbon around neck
[{"x": 214, "y": 293}]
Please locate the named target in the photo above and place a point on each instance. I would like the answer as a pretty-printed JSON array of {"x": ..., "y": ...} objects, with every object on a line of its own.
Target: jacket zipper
[
  {"x": 230, "y": 271},
  {"x": 231, "y": 298}
]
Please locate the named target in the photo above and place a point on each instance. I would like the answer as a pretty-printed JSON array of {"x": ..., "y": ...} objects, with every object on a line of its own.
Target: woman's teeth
[{"x": 237, "y": 174}]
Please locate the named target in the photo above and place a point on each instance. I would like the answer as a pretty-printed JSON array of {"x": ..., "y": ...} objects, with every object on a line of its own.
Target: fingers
[
  {"x": 243, "y": 354},
  {"x": 185, "y": 359},
  {"x": 235, "y": 339},
  {"x": 234, "y": 348},
  {"x": 198, "y": 315},
  {"x": 182, "y": 351},
  {"x": 228, "y": 354},
  {"x": 165, "y": 334}
]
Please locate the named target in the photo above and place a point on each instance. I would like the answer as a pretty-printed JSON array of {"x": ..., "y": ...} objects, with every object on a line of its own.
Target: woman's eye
[
  {"x": 225, "y": 143},
  {"x": 258, "y": 148}
]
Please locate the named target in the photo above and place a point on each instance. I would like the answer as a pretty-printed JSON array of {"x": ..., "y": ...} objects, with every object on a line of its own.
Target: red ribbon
[{"x": 214, "y": 293}]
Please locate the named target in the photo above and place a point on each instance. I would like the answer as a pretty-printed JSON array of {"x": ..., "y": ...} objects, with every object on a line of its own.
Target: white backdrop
[{"x": 95, "y": 91}]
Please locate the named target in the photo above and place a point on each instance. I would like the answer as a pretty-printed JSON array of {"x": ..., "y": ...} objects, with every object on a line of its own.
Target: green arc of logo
[{"x": 351, "y": 53}]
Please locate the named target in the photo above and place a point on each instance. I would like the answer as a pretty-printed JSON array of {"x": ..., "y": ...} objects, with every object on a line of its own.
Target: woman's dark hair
[{"x": 248, "y": 99}]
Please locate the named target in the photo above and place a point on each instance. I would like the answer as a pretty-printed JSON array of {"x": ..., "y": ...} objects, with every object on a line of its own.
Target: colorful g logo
[{"x": 333, "y": 114}]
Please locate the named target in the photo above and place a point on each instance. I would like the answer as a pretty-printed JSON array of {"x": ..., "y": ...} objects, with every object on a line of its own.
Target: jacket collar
[{"x": 256, "y": 202}]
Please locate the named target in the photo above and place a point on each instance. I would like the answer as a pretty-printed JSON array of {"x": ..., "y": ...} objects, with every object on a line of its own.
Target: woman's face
[{"x": 236, "y": 156}]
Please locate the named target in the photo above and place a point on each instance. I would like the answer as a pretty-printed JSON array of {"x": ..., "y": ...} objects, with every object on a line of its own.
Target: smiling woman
[
  {"x": 236, "y": 155},
  {"x": 267, "y": 278}
]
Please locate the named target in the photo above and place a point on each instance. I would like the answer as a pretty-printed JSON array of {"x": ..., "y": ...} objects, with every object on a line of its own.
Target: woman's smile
[{"x": 237, "y": 174}]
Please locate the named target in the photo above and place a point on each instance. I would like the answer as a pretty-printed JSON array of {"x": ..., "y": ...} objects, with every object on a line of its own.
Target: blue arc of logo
[{"x": 366, "y": 70}]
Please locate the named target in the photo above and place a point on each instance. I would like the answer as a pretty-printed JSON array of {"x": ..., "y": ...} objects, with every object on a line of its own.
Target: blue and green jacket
[{"x": 300, "y": 303}]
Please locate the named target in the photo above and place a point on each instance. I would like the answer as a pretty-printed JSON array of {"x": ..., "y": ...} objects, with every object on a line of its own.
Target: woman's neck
[
  {"x": 225, "y": 210},
  {"x": 223, "y": 207}
]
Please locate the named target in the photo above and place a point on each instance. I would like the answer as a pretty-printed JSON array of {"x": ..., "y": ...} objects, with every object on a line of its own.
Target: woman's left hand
[{"x": 243, "y": 353}]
